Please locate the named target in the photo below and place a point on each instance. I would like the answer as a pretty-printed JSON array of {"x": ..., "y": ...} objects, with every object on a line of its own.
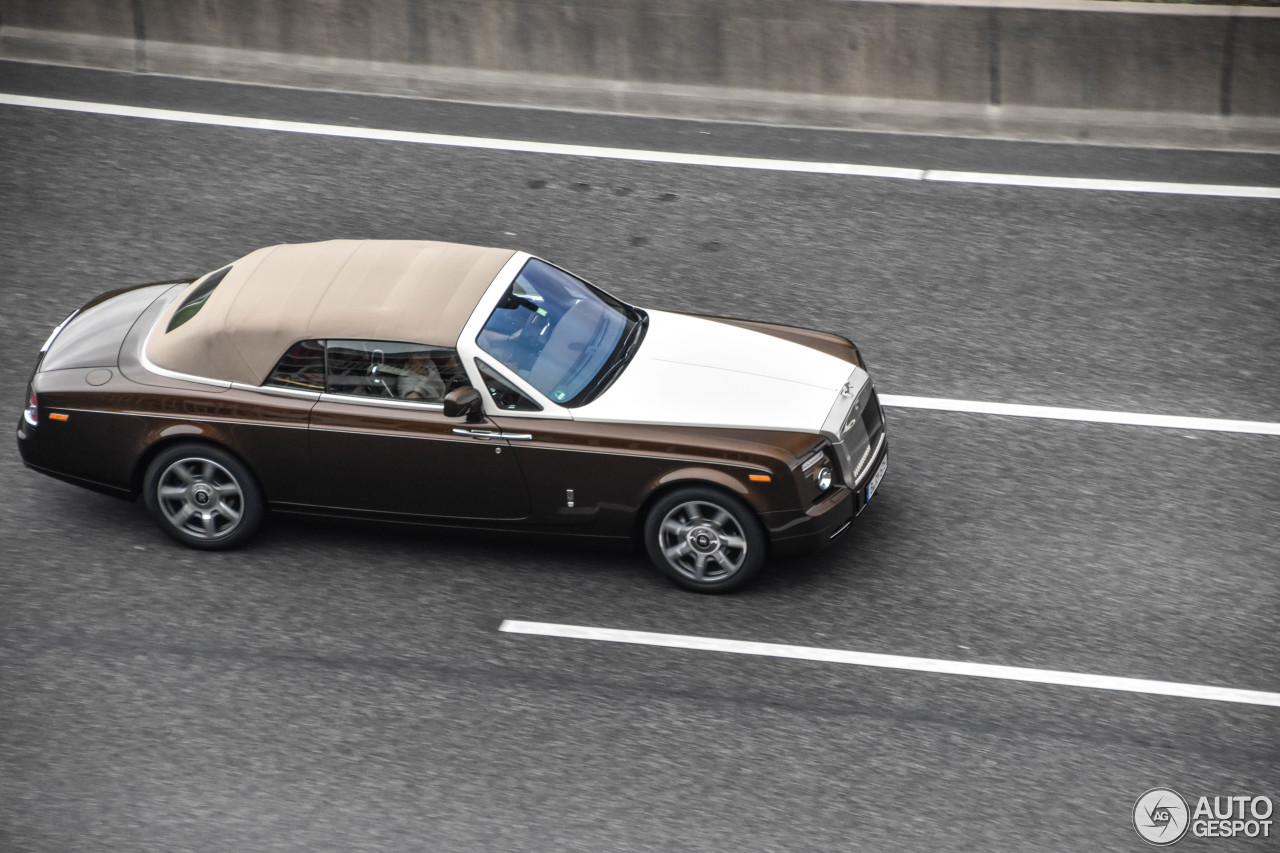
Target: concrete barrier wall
[
  {"x": 1254, "y": 87},
  {"x": 103, "y": 17},
  {"x": 1112, "y": 61},
  {"x": 1050, "y": 54}
]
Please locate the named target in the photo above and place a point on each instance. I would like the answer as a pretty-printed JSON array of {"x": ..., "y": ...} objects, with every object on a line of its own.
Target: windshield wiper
[{"x": 626, "y": 350}]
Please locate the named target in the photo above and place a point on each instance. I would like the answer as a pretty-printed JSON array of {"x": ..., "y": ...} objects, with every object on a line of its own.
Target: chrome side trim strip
[
  {"x": 49, "y": 341},
  {"x": 354, "y": 400}
]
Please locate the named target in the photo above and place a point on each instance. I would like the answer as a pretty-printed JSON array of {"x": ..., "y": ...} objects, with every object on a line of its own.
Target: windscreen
[{"x": 555, "y": 331}]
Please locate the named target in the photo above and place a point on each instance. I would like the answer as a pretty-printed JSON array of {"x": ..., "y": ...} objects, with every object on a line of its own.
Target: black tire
[
  {"x": 203, "y": 496},
  {"x": 704, "y": 539}
]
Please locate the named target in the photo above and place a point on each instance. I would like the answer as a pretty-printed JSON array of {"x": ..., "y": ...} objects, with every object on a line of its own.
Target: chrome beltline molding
[
  {"x": 276, "y": 390},
  {"x": 353, "y": 400}
]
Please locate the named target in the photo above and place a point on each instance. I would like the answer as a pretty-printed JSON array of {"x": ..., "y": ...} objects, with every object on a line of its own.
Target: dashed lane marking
[{"x": 673, "y": 157}]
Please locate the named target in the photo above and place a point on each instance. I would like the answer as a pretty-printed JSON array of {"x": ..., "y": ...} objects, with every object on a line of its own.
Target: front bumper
[
  {"x": 28, "y": 449},
  {"x": 814, "y": 528}
]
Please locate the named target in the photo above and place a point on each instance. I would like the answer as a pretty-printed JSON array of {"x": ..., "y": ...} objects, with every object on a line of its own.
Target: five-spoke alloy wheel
[
  {"x": 203, "y": 496},
  {"x": 704, "y": 539}
]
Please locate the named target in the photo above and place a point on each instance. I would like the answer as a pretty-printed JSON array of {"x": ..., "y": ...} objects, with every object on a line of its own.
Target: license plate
[{"x": 875, "y": 481}]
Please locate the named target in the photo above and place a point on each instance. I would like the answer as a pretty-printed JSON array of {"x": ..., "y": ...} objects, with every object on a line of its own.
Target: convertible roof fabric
[{"x": 414, "y": 291}]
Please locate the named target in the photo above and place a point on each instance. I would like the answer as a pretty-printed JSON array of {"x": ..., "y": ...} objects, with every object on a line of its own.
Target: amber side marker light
[
  {"x": 58, "y": 416},
  {"x": 759, "y": 478}
]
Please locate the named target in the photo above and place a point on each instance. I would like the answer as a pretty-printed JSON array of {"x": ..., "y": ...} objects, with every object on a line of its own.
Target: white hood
[{"x": 695, "y": 372}]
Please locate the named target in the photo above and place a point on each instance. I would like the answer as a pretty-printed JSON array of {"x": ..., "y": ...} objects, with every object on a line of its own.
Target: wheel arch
[
  {"x": 170, "y": 439},
  {"x": 708, "y": 478}
]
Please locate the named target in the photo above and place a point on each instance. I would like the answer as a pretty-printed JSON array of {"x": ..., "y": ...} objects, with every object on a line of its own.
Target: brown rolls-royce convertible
[{"x": 454, "y": 385}]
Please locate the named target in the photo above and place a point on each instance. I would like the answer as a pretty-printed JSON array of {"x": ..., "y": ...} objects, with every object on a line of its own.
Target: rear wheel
[
  {"x": 704, "y": 539},
  {"x": 203, "y": 496}
]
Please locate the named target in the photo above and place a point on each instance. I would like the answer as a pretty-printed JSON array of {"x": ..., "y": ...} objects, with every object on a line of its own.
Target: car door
[
  {"x": 579, "y": 475},
  {"x": 379, "y": 440}
]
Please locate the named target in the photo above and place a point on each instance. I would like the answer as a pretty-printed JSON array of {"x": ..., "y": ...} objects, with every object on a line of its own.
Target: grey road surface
[{"x": 343, "y": 686}]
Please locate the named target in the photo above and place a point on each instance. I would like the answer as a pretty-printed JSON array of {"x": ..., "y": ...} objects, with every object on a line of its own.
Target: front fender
[{"x": 776, "y": 494}]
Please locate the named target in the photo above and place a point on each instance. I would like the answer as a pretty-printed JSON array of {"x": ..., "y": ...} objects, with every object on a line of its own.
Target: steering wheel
[{"x": 376, "y": 378}]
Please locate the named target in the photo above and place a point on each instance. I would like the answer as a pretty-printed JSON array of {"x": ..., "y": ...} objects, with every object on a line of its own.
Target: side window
[
  {"x": 302, "y": 367},
  {"x": 505, "y": 395},
  {"x": 392, "y": 371}
]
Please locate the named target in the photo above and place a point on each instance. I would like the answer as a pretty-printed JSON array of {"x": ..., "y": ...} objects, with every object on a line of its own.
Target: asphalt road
[{"x": 343, "y": 686}]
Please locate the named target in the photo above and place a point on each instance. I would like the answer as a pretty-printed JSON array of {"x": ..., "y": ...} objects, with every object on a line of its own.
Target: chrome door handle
[{"x": 487, "y": 434}]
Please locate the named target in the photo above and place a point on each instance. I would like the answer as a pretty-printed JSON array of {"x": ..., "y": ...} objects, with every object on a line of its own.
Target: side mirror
[{"x": 464, "y": 401}]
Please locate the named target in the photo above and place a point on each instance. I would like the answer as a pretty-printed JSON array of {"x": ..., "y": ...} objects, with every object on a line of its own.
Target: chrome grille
[
  {"x": 861, "y": 435},
  {"x": 873, "y": 422}
]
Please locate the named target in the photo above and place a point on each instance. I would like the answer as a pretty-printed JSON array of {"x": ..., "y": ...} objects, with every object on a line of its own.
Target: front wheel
[
  {"x": 203, "y": 496},
  {"x": 704, "y": 539}
]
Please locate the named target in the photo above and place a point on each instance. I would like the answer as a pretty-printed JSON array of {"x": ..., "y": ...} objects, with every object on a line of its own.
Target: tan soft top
[{"x": 382, "y": 290}]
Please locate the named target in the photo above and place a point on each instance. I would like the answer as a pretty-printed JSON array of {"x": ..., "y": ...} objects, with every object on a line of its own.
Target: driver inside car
[{"x": 420, "y": 379}]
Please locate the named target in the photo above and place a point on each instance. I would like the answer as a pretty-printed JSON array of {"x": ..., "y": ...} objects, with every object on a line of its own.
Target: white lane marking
[
  {"x": 942, "y": 667},
  {"x": 1095, "y": 416},
  {"x": 674, "y": 157},
  {"x": 1051, "y": 182},
  {"x": 516, "y": 145}
]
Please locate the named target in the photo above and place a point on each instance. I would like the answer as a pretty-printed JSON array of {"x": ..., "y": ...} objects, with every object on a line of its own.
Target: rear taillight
[{"x": 31, "y": 413}]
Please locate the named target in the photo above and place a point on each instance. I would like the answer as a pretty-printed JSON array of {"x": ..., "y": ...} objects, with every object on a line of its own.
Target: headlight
[
  {"x": 31, "y": 413},
  {"x": 824, "y": 478}
]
